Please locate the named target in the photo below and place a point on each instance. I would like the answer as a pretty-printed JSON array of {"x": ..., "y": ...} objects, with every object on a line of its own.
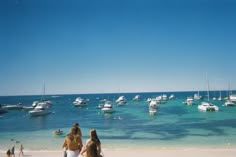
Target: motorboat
[
  {"x": 149, "y": 100},
  {"x": 101, "y": 103},
  {"x": 58, "y": 132},
  {"x": 197, "y": 96},
  {"x": 42, "y": 108},
  {"x": 207, "y": 106},
  {"x": 172, "y": 96},
  {"x": 80, "y": 102},
  {"x": 189, "y": 101},
  {"x": 121, "y": 101},
  {"x": 18, "y": 106},
  {"x": 108, "y": 107},
  {"x": 164, "y": 97},
  {"x": 34, "y": 104},
  {"x": 229, "y": 103},
  {"x": 137, "y": 98},
  {"x": 153, "y": 104},
  {"x": 232, "y": 97}
]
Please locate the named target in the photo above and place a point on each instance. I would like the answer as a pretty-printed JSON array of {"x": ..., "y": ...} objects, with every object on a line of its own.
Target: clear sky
[{"x": 96, "y": 46}]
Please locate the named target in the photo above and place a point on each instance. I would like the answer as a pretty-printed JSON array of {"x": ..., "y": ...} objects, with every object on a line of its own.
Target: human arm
[
  {"x": 64, "y": 143},
  {"x": 84, "y": 148},
  {"x": 80, "y": 143},
  {"x": 99, "y": 148}
]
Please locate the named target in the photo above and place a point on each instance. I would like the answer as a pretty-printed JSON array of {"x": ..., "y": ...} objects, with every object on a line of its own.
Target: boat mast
[
  {"x": 43, "y": 94},
  {"x": 208, "y": 94}
]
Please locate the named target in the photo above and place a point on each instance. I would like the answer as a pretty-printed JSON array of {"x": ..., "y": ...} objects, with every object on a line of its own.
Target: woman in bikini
[
  {"x": 91, "y": 141},
  {"x": 73, "y": 143}
]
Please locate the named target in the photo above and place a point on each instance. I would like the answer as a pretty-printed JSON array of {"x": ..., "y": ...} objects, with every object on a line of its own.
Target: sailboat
[
  {"x": 230, "y": 101},
  {"x": 220, "y": 97},
  {"x": 207, "y": 105},
  {"x": 42, "y": 106},
  {"x": 197, "y": 96}
]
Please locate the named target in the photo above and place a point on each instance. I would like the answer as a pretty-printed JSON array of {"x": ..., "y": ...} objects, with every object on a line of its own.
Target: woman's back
[
  {"x": 72, "y": 142},
  {"x": 92, "y": 149}
]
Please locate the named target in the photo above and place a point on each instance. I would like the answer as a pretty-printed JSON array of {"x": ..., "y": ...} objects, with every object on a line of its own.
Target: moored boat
[{"x": 58, "y": 132}]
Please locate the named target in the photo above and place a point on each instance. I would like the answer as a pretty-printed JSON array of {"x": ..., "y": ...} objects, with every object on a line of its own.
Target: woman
[
  {"x": 92, "y": 149},
  {"x": 79, "y": 131},
  {"x": 93, "y": 139},
  {"x": 73, "y": 143}
]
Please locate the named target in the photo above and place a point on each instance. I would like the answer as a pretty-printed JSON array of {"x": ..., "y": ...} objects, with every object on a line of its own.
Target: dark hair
[
  {"x": 8, "y": 152},
  {"x": 92, "y": 149},
  {"x": 94, "y": 136},
  {"x": 76, "y": 124}
]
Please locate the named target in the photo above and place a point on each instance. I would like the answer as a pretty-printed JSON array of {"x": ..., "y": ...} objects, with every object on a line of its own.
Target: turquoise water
[{"x": 174, "y": 125}]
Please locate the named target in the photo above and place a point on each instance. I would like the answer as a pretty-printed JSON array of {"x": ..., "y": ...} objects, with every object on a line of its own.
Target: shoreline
[{"x": 163, "y": 152}]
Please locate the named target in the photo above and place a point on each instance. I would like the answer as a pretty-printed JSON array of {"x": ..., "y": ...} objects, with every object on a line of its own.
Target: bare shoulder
[{"x": 88, "y": 140}]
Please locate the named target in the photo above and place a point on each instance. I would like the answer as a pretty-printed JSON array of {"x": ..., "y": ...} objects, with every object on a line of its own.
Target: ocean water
[{"x": 174, "y": 125}]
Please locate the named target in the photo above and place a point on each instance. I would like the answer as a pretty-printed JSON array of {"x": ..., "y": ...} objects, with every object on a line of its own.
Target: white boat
[
  {"x": 101, "y": 103},
  {"x": 220, "y": 97},
  {"x": 42, "y": 108},
  {"x": 121, "y": 101},
  {"x": 58, "y": 132},
  {"x": 164, "y": 97},
  {"x": 108, "y": 107},
  {"x": 80, "y": 102},
  {"x": 207, "y": 106},
  {"x": 154, "y": 104},
  {"x": 18, "y": 106},
  {"x": 172, "y": 96},
  {"x": 149, "y": 100},
  {"x": 137, "y": 98},
  {"x": 27, "y": 108},
  {"x": 34, "y": 104},
  {"x": 189, "y": 101},
  {"x": 232, "y": 97},
  {"x": 229, "y": 103},
  {"x": 197, "y": 96}
]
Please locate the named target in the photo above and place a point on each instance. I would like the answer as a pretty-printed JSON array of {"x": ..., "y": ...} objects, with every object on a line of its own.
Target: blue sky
[{"x": 96, "y": 46}]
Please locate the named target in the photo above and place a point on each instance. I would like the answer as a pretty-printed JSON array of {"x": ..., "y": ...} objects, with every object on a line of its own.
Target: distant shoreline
[{"x": 115, "y": 93}]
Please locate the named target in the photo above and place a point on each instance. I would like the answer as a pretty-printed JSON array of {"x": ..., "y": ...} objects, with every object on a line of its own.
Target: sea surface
[{"x": 174, "y": 125}]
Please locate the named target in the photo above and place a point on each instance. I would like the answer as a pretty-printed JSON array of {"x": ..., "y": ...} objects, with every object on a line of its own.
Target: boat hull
[{"x": 39, "y": 112}]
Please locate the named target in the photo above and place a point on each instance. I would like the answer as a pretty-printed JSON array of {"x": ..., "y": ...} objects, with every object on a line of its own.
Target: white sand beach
[{"x": 141, "y": 152}]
